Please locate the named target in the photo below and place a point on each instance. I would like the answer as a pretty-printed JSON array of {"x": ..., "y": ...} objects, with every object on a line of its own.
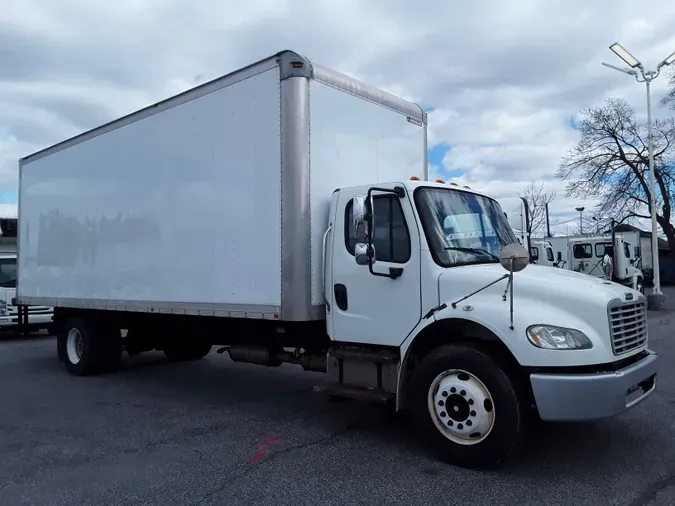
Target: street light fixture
[
  {"x": 625, "y": 55},
  {"x": 646, "y": 76}
]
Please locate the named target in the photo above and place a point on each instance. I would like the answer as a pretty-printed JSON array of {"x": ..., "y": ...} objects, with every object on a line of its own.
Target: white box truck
[{"x": 316, "y": 240}]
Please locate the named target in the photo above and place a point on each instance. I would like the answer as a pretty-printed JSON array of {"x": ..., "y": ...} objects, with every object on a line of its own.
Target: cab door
[{"x": 372, "y": 308}]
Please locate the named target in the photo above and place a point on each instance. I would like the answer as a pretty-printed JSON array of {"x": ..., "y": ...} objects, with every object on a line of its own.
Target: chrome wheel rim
[
  {"x": 74, "y": 345},
  {"x": 461, "y": 407}
]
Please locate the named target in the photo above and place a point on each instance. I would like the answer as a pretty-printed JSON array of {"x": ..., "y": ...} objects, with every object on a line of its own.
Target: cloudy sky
[{"x": 503, "y": 80}]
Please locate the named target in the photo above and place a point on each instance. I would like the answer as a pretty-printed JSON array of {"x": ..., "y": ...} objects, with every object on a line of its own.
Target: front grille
[{"x": 628, "y": 327}]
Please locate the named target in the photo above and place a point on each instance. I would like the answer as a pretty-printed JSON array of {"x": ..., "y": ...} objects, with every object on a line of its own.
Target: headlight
[
  {"x": 558, "y": 338},
  {"x": 3, "y": 308}
]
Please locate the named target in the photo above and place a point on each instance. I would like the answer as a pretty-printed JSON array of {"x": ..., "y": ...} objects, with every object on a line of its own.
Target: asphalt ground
[{"x": 215, "y": 432}]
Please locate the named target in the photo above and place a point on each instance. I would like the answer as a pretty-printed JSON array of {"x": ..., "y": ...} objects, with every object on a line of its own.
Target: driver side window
[{"x": 391, "y": 237}]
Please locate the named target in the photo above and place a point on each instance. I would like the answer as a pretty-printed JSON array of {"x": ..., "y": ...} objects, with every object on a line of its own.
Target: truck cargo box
[{"x": 214, "y": 201}]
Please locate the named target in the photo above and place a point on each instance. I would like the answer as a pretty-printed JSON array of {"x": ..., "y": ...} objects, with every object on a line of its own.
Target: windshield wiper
[{"x": 475, "y": 251}]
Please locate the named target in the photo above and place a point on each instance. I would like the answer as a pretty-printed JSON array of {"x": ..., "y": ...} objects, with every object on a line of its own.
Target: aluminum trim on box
[
  {"x": 372, "y": 94},
  {"x": 296, "y": 232},
  {"x": 159, "y": 307}
]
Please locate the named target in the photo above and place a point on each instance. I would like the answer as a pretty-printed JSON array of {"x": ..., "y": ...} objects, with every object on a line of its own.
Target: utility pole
[{"x": 548, "y": 225}]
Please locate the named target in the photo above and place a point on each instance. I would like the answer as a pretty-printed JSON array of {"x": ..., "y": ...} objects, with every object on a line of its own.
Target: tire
[
  {"x": 484, "y": 400},
  {"x": 182, "y": 351},
  {"x": 86, "y": 348}
]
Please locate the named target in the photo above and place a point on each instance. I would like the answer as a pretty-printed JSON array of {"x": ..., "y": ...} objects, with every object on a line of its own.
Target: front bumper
[
  {"x": 40, "y": 319},
  {"x": 577, "y": 397}
]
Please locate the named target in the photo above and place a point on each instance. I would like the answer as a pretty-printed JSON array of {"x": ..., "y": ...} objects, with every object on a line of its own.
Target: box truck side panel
[
  {"x": 105, "y": 221},
  {"x": 355, "y": 141}
]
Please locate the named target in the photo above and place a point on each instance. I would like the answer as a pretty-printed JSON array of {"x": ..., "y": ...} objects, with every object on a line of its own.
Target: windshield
[
  {"x": 462, "y": 228},
  {"x": 8, "y": 272}
]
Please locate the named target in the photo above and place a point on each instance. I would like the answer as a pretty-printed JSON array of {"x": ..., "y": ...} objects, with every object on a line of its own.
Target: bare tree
[
  {"x": 537, "y": 200},
  {"x": 669, "y": 99},
  {"x": 610, "y": 163}
]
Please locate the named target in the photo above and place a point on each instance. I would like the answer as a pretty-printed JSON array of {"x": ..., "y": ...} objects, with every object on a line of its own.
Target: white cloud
[{"x": 504, "y": 78}]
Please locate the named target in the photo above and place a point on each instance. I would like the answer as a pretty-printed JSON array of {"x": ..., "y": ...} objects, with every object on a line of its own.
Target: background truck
[
  {"x": 586, "y": 254},
  {"x": 542, "y": 253},
  {"x": 35, "y": 318},
  {"x": 316, "y": 240}
]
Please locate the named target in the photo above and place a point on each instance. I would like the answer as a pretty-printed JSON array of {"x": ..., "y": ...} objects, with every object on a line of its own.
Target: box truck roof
[{"x": 291, "y": 64}]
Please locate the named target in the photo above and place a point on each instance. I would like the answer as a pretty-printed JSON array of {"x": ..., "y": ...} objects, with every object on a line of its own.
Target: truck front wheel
[{"x": 466, "y": 406}]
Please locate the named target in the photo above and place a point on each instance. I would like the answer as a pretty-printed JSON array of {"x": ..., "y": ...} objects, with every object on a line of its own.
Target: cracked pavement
[{"x": 214, "y": 432}]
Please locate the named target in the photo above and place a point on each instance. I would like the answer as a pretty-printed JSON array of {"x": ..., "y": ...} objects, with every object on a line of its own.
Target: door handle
[{"x": 341, "y": 296}]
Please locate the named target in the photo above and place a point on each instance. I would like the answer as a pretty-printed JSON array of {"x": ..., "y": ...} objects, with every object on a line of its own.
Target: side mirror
[
  {"x": 362, "y": 255},
  {"x": 361, "y": 217},
  {"x": 360, "y": 214}
]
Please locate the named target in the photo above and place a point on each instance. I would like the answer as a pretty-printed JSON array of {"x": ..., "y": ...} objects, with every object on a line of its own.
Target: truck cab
[
  {"x": 603, "y": 257},
  {"x": 419, "y": 267},
  {"x": 541, "y": 253}
]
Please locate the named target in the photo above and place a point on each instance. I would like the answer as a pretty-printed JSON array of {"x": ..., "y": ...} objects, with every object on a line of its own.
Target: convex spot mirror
[
  {"x": 514, "y": 257},
  {"x": 361, "y": 254}
]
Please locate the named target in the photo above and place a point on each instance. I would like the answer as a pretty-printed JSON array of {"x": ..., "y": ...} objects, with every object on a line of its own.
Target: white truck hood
[
  {"x": 536, "y": 280},
  {"x": 542, "y": 295}
]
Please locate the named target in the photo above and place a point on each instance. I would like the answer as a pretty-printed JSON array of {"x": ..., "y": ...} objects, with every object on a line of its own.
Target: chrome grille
[{"x": 628, "y": 327}]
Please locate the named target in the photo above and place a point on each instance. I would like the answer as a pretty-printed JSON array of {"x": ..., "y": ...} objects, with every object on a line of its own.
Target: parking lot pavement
[{"x": 215, "y": 432}]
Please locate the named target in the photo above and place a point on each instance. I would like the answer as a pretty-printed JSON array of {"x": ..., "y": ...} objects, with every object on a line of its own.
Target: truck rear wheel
[
  {"x": 466, "y": 406},
  {"x": 86, "y": 348}
]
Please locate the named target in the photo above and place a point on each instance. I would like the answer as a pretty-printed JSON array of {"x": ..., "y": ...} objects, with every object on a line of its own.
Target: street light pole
[
  {"x": 652, "y": 201},
  {"x": 647, "y": 76},
  {"x": 581, "y": 219}
]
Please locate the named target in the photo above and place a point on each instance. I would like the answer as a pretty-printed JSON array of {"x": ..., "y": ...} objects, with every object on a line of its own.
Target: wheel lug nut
[
  {"x": 441, "y": 403},
  {"x": 470, "y": 402},
  {"x": 444, "y": 394},
  {"x": 469, "y": 423},
  {"x": 453, "y": 390},
  {"x": 473, "y": 413},
  {"x": 462, "y": 393},
  {"x": 460, "y": 426},
  {"x": 443, "y": 414},
  {"x": 450, "y": 423}
]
